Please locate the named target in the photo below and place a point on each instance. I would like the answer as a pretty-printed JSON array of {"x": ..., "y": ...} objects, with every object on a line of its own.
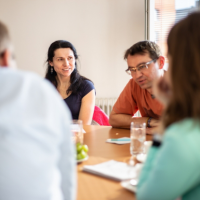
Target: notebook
[
  {"x": 112, "y": 169},
  {"x": 128, "y": 186}
]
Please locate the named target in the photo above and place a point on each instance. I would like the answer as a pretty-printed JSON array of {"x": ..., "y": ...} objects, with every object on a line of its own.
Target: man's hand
[
  {"x": 151, "y": 130},
  {"x": 154, "y": 123},
  {"x": 156, "y": 127}
]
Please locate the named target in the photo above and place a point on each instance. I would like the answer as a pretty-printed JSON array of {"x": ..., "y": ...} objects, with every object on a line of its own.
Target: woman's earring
[{"x": 51, "y": 70}]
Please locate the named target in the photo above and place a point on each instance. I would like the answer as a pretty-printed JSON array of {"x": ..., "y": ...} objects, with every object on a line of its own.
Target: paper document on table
[
  {"x": 128, "y": 186},
  {"x": 112, "y": 169}
]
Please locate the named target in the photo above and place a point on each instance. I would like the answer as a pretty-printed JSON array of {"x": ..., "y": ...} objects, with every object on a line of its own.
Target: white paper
[
  {"x": 113, "y": 169},
  {"x": 141, "y": 157},
  {"x": 128, "y": 186}
]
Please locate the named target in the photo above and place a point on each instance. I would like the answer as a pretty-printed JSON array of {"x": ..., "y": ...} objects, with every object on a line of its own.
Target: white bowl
[{"x": 79, "y": 161}]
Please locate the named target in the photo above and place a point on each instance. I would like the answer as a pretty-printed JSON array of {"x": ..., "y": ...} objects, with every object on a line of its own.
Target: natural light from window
[{"x": 163, "y": 15}]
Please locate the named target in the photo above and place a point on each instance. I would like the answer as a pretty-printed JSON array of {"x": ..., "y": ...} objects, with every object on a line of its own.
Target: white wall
[{"x": 101, "y": 30}]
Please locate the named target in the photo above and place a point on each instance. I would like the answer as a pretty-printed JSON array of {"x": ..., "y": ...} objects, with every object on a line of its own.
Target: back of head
[
  {"x": 184, "y": 50},
  {"x": 144, "y": 47},
  {"x": 4, "y": 38}
]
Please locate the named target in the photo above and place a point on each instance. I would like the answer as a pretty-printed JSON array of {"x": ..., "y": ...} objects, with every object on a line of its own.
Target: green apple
[
  {"x": 81, "y": 155},
  {"x": 85, "y": 148},
  {"x": 79, "y": 147}
]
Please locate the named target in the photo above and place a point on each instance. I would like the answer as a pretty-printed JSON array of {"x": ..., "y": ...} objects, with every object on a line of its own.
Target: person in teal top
[{"x": 172, "y": 168}]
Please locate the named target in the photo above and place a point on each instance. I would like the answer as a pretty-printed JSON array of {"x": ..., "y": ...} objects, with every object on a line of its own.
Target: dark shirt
[{"x": 74, "y": 100}]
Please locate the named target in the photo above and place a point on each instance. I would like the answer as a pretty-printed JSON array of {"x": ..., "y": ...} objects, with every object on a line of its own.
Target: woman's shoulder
[
  {"x": 181, "y": 140},
  {"x": 87, "y": 82},
  {"x": 185, "y": 125},
  {"x": 186, "y": 131},
  {"x": 87, "y": 86}
]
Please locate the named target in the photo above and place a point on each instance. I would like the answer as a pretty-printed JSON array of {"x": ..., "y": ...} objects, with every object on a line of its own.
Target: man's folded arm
[{"x": 120, "y": 120}]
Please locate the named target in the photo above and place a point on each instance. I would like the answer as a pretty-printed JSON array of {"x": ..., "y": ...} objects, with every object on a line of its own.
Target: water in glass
[
  {"x": 138, "y": 137},
  {"x": 76, "y": 128}
]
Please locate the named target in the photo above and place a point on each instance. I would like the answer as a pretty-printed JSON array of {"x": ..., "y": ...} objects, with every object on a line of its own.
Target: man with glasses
[{"x": 145, "y": 64}]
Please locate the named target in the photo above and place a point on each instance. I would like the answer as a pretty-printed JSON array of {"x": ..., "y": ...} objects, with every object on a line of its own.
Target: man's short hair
[
  {"x": 4, "y": 38},
  {"x": 144, "y": 47}
]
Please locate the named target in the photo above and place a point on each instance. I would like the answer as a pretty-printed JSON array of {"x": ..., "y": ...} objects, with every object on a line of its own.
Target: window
[
  {"x": 163, "y": 14},
  {"x": 156, "y": 15}
]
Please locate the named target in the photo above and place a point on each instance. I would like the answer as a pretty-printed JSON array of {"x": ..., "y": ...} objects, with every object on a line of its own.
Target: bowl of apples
[{"x": 81, "y": 152}]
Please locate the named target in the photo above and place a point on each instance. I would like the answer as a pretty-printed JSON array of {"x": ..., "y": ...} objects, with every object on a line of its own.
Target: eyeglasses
[{"x": 140, "y": 68}]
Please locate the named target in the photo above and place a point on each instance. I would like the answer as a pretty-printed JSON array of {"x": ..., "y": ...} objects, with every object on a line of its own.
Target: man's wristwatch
[{"x": 148, "y": 122}]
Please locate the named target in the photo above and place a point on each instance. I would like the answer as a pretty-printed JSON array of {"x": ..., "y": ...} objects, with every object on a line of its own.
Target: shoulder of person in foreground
[
  {"x": 46, "y": 121},
  {"x": 172, "y": 170},
  {"x": 38, "y": 90}
]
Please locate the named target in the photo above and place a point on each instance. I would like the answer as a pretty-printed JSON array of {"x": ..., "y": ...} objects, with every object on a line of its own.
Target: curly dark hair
[
  {"x": 144, "y": 47},
  {"x": 75, "y": 79}
]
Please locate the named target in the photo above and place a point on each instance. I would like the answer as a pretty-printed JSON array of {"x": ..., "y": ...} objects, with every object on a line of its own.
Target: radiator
[{"x": 106, "y": 104}]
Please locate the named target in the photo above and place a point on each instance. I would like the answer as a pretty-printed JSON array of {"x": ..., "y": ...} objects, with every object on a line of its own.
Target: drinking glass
[
  {"x": 77, "y": 131},
  {"x": 138, "y": 137}
]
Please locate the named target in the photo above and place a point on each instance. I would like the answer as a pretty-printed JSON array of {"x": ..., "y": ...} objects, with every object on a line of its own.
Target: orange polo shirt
[{"x": 134, "y": 98}]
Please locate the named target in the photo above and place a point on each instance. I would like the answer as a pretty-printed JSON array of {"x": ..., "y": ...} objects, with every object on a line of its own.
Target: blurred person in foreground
[
  {"x": 172, "y": 166},
  {"x": 145, "y": 64},
  {"x": 77, "y": 91},
  {"x": 36, "y": 152}
]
